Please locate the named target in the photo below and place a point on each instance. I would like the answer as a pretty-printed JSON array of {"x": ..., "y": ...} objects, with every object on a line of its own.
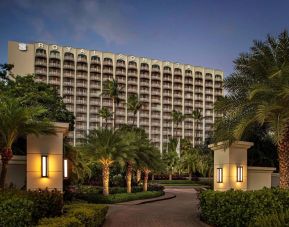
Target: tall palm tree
[
  {"x": 112, "y": 89},
  {"x": 134, "y": 105},
  {"x": 105, "y": 114},
  {"x": 177, "y": 118},
  {"x": 170, "y": 157},
  {"x": 105, "y": 147},
  {"x": 189, "y": 161},
  {"x": 258, "y": 93},
  {"x": 18, "y": 121}
]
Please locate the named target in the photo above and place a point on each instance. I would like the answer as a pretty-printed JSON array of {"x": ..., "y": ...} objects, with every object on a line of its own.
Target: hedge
[
  {"x": 117, "y": 198},
  {"x": 276, "y": 220},
  {"x": 240, "y": 208},
  {"x": 79, "y": 214}
]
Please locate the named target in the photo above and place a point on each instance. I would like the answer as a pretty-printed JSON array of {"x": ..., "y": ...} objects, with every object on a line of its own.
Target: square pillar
[
  {"x": 51, "y": 147},
  {"x": 230, "y": 165}
]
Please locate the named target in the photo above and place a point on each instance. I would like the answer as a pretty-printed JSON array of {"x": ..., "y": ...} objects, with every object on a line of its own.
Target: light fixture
[
  {"x": 239, "y": 173},
  {"x": 219, "y": 175},
  {"x": 44, "y": 166},
  {"x": 65, "y": 168}
]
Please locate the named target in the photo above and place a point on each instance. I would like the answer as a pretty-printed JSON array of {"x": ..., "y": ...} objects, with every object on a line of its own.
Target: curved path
[{"x": 181, "y": 211}]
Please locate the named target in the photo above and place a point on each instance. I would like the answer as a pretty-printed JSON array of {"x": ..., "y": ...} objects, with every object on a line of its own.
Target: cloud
[{"x": 109, "y": 19}]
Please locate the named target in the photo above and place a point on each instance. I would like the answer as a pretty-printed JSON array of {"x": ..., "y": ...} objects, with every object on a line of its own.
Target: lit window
[
  {"x": 44, "y": 166},
  {"x": 65, "y": 168}
]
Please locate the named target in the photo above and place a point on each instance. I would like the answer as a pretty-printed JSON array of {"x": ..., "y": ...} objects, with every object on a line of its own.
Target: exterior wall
[
  {"x": 228, "y": 158},
  {"x": 163, "y": 86},
  {"x": 16, "y": 174},
  {"x": 52, "y": 146},
  {"x": 275, "y": 179},
  {"x": 259, "y": 177}
]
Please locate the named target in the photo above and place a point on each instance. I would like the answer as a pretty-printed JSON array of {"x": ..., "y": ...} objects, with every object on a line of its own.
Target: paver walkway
[{"x": 181, "y": 211}]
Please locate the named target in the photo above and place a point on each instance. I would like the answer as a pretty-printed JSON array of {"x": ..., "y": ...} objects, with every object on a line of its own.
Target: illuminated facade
[{"x": 163, "y": 86}]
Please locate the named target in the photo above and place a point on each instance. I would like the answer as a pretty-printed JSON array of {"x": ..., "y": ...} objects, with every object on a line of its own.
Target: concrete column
[
  {"x": 52, "y": 147},
  {"x": 227, "y": 159}
]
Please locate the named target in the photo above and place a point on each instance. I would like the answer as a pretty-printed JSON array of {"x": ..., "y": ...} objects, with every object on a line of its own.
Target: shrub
[
  {"x": 46, "y": 203},
  {"x": 15, "y": 211},
  {"x": 117, "y": 198},
  {"x": 60, "y": 222},
  {"x": 276, "y": 219},
  {"x": 239, "y": 208},
  {"x": 88, "y": 214}
]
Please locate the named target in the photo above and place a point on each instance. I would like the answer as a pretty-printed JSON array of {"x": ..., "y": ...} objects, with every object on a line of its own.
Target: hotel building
[{"x": 163, "y": 86}]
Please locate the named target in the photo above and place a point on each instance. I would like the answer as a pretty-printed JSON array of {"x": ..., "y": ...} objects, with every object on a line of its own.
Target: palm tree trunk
[
  {"x": 105, "y": 179},
  {"x": 145, "y": 180},
  {"x": 128, "y": 177},
  {"x": 106, "y": 123},
  {"x": 283, "y": 155},
  {"x": 114, "y": 114},
  {"x": 190, "y": 175},
  {"x": 6, "y": 156},
  {"x": 138, "y": 175},
  {"x": 171, "y": 174},
  {"x": 133, "y": 120}
]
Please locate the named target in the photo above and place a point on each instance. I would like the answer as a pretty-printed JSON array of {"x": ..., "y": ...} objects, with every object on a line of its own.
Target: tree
[
  {"x": 105, "y": 147},
  {"x": 31, "y": 93},
  {"x": 258, "y": 93},
  {"x": 134, "y": 105},
  {"x": 16, "y": 121},
  {"x": 177, "y": 118},
  {"x": 170, "y": 157},
  {"x": 105, "y": 114},
  {"x": 112, "y": 89}
]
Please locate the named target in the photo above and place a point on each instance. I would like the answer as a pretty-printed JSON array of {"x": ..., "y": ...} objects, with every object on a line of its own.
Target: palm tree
[
  {"x": 134, "y": 105},
  {"x": 189, "y": 161},
  {"x": 170, "y": 157},
  {"x": 112, "y": 89},
  {"x": 18, "y": 121},
  {"x": 177, "y": 118},
  {"x": 105, "y": 147},
  {"x": 258, "y": 93},
  {"x": 105, "y": 114}
]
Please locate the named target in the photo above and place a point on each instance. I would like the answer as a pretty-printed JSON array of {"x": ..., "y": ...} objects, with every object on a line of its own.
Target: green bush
[
  {"x": 89, "y": 214},
  {"x": 46, "y": 203},
  {"x": 117, "y": 198},
  {"x": 239, "y": 208},
  {"x": 15, "y": 211},
  {"x": 60, "y": 222},
  {"x": 277, "y": 220}
]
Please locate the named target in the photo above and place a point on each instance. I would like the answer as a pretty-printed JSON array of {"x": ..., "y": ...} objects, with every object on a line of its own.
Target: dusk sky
[{"x": 207, "y": 33}]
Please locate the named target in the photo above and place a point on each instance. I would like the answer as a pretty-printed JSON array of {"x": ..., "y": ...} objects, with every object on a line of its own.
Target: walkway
[{"x": 181, "y": 211}]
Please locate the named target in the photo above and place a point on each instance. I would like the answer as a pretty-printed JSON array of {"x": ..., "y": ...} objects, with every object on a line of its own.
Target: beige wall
[
  {"x": 52, "y": 146},
  {"x": 259, "y": 177},
  {"x": 16, "y": 173}
]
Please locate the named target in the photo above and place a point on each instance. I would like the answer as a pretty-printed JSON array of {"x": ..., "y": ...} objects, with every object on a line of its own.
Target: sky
[{"x": 206, "y": 33}]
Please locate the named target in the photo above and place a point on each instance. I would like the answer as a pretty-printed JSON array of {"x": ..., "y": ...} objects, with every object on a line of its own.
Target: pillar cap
[
  {"x": 61, "y": 127},
  {"x": 226, "y": 144}
]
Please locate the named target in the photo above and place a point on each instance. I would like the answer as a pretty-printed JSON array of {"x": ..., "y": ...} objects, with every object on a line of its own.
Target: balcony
[
  {"x": 68, "y": 74},
  {"x": 178, "y": 73},
  {"x": 95, "y": 85},
  {"x": 155, "y": 70},
  {"x": 209, "y": 91},
  {"x": 82, "y": 59},
  {"x": 41, "y": 72},
  {"x": 209, "y": 84},
  {"x": 132, "y": 74},
  {"x": 81, "y": 68},
  {"x": 167, "y": 94},
  {"x": 178, "y": 88},
  {"x": 167, "y": 71},
  {"x": 68, "y": 101},
  {"x": 54, "y": 65},
  {"x": 144, "y": 83},
  {"x": 68, "y": 83},
  {"x": 95, "y": 61},
  {"x": 120, "y": 72},
  {"x": 144, "y": 91},
  {"x": 132, "y": 66},
  {"x": 40, "y": 63},
  {"x": 81, "y": 84},
  {"x": 67, "y": 66},
  {"x": 69, "y": 57},
  {"x": 177, "y": 95},
  {"x": 198, "y": 105},
  {"x": 81, "y": 101},
  {"x": 81, "y": 93},
  {"x": 218, "y": 78},
  {"x": 199, "y": 83},
  {"x": 120, "y": 64},
  {"x": 132, "y": 89},
  {"x": 167, "y": 101},
  {"x": 198, "y": 76},
  {"x": 144, "y": 68},
  {"x": 132, "y": 82},
  {"x": 40, "y": 54},
  {"x": 68, "y": 92},
  {"x": 198, "y": 97},
  {"x": 54, "y": 56},
  {"x": 178, "y": 80},
  {"x": 108, "y": 71},
  {"x": 107, "y": 63},
  {"x": 95, "y": 70},
  {"x": 155, "y": 100},
  {"x": 144, "y": 75},
  {"x": 155, "y": 85},
  {"x": 121, "y": 80},
  {"x": 81, "y": 118},
  {"x": 54, "y": 73},
  {"x": 199, "y": 91}
]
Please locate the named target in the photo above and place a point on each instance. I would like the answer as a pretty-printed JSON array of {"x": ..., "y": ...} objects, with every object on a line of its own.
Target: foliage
[
  {"x": 239, "y": 208},
  {"x": 60, "y": 222},
  {"x": 117, "y": 198},
  {"x": 105, "y": 114},
  {"x": 15, "y": 211},
  {"x": 88, "y": 214},
  {"x": 134, "y": 105},
  {"x": 280, "y": 219},
  {"x": 31, "y": 93}
]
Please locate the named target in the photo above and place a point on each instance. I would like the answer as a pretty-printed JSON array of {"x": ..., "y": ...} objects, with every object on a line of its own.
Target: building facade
[{"x": 163, "y": 86}]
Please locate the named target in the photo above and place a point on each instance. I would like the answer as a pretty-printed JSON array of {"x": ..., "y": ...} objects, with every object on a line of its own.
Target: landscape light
[
  {"x": 65, "y": 168},
  {"x": 219, "y": 175},
  {"x": 44, "y": 166},
  {"x": 239, "y": 173}
]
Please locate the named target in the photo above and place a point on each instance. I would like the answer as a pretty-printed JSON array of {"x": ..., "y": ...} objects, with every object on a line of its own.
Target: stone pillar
[
  {"x": 52, "y": 147},
  {"x": 227, "y": 159}
]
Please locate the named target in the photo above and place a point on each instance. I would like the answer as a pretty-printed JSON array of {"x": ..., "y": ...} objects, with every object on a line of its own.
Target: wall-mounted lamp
[
  {"x": 239, "y": 173},
  {"x": 219, "y": 175},
  {"x": 65, "y": 168},
  {"x": 44, "y": 166}
]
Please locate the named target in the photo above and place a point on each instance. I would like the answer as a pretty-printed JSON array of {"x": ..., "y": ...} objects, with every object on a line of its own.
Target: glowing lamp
[
  {"x": 65, "y": 168},
  {"x": 44, "y": 166},
  {"x": 219, "y": 175},
  {"x": 239, "y": 173}
]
